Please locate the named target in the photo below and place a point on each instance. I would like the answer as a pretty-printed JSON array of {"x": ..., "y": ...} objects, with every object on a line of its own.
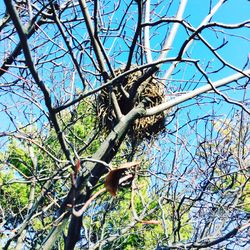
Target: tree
[{"x": 135, "y": 95}]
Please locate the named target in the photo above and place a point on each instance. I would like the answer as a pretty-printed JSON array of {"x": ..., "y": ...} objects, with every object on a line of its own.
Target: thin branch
[
  {"x": 230, "y": 234},
  {"x": 136, "y": 35},
  {"x": 66, "y": 40}
]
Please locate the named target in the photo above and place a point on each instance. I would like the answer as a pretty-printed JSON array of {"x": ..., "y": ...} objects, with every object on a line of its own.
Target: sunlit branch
[
  {"x": 169, "y": 40},
  {"x": 164, "y": 106},
  {"x": 85, "y": 95},
  {"x": 4, "y": 21},
  {"x": 188, "y": 43},
  {"x": 214, "y": 88},
  {"x": 147, "y": 47}
]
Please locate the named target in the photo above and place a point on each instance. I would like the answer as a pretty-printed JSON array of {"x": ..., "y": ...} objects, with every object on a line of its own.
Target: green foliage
[
  {"x": 38, "y": 225},
  {"x": 18, "y": 163},
  {"x": 19, "y": 159},
  {"x": 117, "y": 215},
  {"x": 244, "y": 183},
  {"x": 84, "y": 128},
  {"x": 14, "y": 196},
  {"x": 231, "y": 133},
  {"x": 109, "y": 216}
]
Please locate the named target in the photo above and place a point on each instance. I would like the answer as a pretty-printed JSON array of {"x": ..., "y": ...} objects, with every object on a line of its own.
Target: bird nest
[{"x": 150, "y": 90}]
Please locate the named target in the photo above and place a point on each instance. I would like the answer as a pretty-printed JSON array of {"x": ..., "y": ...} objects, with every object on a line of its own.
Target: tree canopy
[{"x": 124, "y": 124}]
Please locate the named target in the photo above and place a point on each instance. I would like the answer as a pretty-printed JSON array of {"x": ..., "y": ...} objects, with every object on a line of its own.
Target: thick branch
[
  {"x": 169, "y": 41},
  {"x": 29, "y": 61},
  {"x": 147, "y": 33},
  {"x": 93, "y": 39},
  {"x": 31, "y": 29},
  {"x": 105, "y": 153}
]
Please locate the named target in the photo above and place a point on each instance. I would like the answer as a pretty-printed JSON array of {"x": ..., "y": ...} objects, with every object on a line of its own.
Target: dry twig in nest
[{"x": 151, "y": 89}]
